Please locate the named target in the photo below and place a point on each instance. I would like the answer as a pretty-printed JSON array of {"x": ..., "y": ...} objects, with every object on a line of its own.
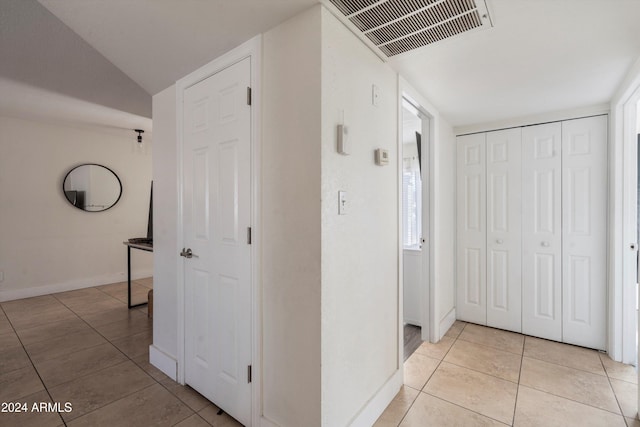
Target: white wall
[
  {"x": 46, "y": 244},
  {"x": 165, "y": 208},
  {"x": 444, "y": 223},
  {"x": 359, "y": 249},
  {"x": 291, "y": 221}
]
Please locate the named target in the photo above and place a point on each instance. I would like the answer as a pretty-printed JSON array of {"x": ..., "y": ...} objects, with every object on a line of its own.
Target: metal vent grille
[{"x": 398, "y": 26}]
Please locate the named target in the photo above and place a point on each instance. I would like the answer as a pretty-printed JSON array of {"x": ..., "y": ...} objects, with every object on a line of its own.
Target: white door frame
[
  {"x": 250, "y": 49},
  {"x": 622, "y": 180},
  {"x": 430, "y": 327}
]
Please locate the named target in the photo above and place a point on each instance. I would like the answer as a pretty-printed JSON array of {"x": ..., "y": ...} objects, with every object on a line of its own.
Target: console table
[{"x": 140, "y": 246}]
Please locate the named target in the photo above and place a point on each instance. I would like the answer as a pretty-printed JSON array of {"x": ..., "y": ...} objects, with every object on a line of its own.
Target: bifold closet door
[
  {"x": 542, "y": 231},
  {"x": 504, "y": 232},
  {"x": 584, "y": 233},
  {"x": 471, "y": 226}
]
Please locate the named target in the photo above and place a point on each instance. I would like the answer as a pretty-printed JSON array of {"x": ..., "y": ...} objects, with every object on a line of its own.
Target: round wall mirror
[{"x": 92, "y": 188}]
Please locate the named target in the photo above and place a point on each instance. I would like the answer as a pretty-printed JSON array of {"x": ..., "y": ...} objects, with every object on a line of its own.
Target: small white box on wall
[
  {"x": 382, "y": 157},
  {"x": 343, "y": 146}
]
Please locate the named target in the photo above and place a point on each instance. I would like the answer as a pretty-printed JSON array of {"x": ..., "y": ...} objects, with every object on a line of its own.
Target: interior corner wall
[
  {"x": 359, "y": 249},
  {"x": 165, "y": 223},
  {"x": 47, "y": 245},
  {"x": 290, "y": 235}
]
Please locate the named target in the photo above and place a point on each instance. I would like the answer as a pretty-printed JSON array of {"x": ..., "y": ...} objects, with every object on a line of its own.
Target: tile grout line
[
  {"x": 430, "y": 376},
  {"x": 32, "y": 364},
  {"x": 515, "y": 406},
  {"x": 615, "y": 395}
]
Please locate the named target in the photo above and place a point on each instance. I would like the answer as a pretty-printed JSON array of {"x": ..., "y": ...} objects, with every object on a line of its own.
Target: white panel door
[
  {"x": 584, "y": 231},
  {"x": 542, "y": 231},
  {"x": 472, "y": 231},
  {"x": 216, "y": 197},
  {"x": 504, "y": 232}
]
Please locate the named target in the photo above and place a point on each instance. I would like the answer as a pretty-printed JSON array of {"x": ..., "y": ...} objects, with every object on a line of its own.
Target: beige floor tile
[
  {"x": 563, "y": 354},
  {"x": 210, "y": 415},
  {"x": 66, "y": 344},
  {"x": 496, "y": 338},
  {"x": 97, "y": 390},
  {"x": 574, "y": 384},
  {"x": 482, "y": 393},
  {"x": 69, "y": 367},
  {"x": 398, "y": 407},
  {"x": 81, "y": 297},
  {"x": 417, "y": 370},
  {"x": 32, "y": 418},
  {"x": 40, "y": 303},
  {"x": 13, "y": 358},
  {"x": 96, "y": 307},
  {"x": 30, "y": 317},
  {"x": 455, "y": 330},
  {"x": 146, "y": 281},
  {"x": 135, "y": 345},
  {"x": 112, "y": 315},
  {"x": 19, "y": 383},
  {"x": 119, "y": 291},
  {"x": 186, "y": 394},
  {"x": 431, "y": 411},
  {"x": 124, "y": 328},
  {"x": 5, "y": 326},
  {"x": 52, "y": 330},
  {"x": 194, "y": 420},
  {"x": 627, "y": 395},
  {"x": 143, "y": 362},
  {"x": 536, "y": 408},
  {"x": 9, "y": 340},
  {"x": 152, "y": 406},
  {"x": 619, "y": 371},
  {"x": 633, "y": 422},
  {"x": 436, "y": 351},
  {"x": 488, "y": 360}
]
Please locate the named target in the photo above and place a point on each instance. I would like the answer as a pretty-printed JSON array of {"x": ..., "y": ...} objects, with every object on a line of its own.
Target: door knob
[{"x": 187, "y": 253}]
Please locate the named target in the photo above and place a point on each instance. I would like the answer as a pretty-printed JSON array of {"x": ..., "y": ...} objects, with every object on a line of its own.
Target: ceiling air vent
[{"x": 398, "y": 26}]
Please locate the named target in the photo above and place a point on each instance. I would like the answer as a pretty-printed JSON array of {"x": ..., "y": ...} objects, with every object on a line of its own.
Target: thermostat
[{"x": 382, "y": 157}]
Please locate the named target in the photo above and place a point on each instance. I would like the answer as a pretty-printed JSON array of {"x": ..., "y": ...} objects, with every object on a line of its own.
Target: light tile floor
[
  {"x": 479, "y": 376},
  {"x": 86, "y": 348}
]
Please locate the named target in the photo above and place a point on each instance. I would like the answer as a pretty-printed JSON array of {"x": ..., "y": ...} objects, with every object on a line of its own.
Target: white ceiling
[
  {"x": 156, "y": 42},
  {"x": 541, "y": 55}
]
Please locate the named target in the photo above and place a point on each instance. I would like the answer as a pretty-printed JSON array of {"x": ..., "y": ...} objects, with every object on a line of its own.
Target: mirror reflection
[{"x": 92, "y": 187}]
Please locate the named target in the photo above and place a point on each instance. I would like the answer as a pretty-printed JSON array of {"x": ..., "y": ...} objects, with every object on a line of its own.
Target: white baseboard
[
  {"x": 161, "y": 360},
  {"x": 72, "y": 285},
  {"x": 378, "y": 403},
  {"x": 447, "y": 322}
]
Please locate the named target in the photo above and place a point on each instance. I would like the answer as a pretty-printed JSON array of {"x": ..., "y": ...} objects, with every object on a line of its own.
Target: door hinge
[
  {"x": 248, "y": 235},
  {"x": 249, "y": 373},
  {"x": 248, "y": 96}
]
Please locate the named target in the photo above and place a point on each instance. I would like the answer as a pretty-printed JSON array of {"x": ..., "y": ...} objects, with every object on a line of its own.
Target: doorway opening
[{"x": 415, "y": 224}]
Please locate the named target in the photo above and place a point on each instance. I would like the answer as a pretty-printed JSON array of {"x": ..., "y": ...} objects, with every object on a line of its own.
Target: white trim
[
  {"x": 71, "y": 285},
  {"x": 553, "y": 116},
  {"x": 378, "y": 403},
  {"x": 429, "y": 295},
  {"x": 250, "y": 49},
  {"x": 621, "y": 259},
  {"x": 400, "y": 319},
  {"x": 447, "y": 322},
  {"x": 161, "y": 360}
]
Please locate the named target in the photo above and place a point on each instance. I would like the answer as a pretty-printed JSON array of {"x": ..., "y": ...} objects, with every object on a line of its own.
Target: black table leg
[{"x": 129, "y": 281}]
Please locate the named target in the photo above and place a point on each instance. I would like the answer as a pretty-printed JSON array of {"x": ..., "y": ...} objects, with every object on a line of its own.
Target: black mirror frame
[{"x": 91, "y": 164}]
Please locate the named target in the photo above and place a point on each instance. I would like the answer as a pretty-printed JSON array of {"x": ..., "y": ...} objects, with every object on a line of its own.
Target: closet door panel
[
  {"x": 584, "y": 214},
  {"x": 504, "y": 231},
  {"x": 542, "y": 231},
  {"x": 471, "y": 228}
]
